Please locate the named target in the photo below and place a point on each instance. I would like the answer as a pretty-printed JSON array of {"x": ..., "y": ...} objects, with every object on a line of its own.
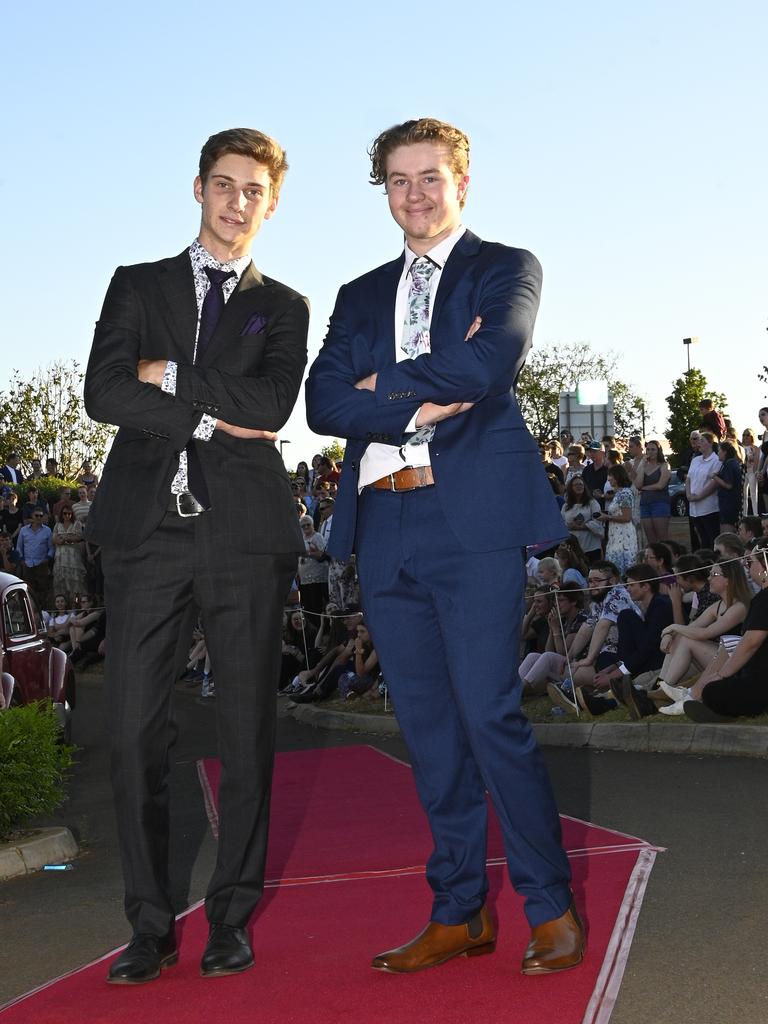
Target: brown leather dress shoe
[
  {"x": 555, "y": 945},
  {"x": 438, "y": 943}
]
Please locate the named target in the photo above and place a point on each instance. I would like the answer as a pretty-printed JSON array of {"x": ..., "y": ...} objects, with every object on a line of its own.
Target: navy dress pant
[{"x": 445, "y": 622}]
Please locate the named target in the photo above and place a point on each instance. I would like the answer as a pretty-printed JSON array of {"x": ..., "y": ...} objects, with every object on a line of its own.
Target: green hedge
[
  {"x": 33, "y": 765},
  {"x": 49, "y": 487}
]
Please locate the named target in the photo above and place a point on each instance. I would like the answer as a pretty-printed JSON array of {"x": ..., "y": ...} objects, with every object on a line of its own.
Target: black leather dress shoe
[
  {"x": 228, "y": 952},
  {"x": 144, "y": 958}
]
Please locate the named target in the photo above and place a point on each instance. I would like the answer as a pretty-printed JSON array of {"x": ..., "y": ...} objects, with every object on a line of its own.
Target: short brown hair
[
  {"x": 246, "y": 142},
  {"x": 424, "y": 129}
]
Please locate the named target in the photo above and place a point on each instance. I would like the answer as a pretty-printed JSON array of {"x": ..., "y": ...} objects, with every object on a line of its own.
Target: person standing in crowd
[
  {"x": 34, "y": 503},
  {"x": 86, "y": 476},
  {"x": 428, "y": 406},
  {"x": 576, "y": 464},
  {"x": 621, "y": 546},
  {"x": 313, "y": 569},
  {"x": 651, "y": 478},
  {"x": 10, "y": 471},
  {"x": 35, "y": 548},
  {"x": 557, "y": 458},
  {"x": 51, "y": 467},
  {"x": 595, "y": 473},
  {"x": 82, "y": 506},
  {"x": 751, "y": 467},
  {"x": 199, "y": 360},
  {"x": 701, "y": 491},
  {"x": 581, "y": 515},
  {"x": 10, "y": 513},
  {"x": 730, "y": 486},
  {"x": 36, "y": 471},
  {"x": 711, "y": 419},
  {"x": 68, "y": 564},
  {"x": 9, "y": 556}
]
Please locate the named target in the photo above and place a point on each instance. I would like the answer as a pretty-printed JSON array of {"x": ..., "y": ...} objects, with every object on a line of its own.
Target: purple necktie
[{"x": 210, "y": 314}]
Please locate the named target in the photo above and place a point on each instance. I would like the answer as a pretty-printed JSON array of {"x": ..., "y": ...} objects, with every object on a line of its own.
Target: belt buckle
[
  {"x": 392, "y": 482},
  {"x": 184, "y": 515}
]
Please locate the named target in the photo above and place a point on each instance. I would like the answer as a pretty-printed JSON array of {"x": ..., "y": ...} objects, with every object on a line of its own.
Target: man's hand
[
  {"x": 150, "y": 371},
  {"x": 367, "y": 383},
  {"x": 245, "y": 432},
  {"x": 430, "y": 413}
]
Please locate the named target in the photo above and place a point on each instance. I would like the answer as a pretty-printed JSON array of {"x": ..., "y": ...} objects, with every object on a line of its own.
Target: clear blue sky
[{"x": 626, "y": 148}]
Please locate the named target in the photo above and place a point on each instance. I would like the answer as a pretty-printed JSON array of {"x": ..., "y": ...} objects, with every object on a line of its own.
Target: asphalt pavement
[{"x": 699, "y": 953}]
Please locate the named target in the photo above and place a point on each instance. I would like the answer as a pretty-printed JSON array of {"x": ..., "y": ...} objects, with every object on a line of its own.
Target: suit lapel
[
  {"x": 177, "y": 287},
  {"x": 384, "y": 304},
  {"x": 461, "y": 256},
  {"x": 241, "y": 304}
]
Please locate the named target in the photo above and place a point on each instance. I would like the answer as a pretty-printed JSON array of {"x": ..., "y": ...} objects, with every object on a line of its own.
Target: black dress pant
[{"x": 152, "y": 596}]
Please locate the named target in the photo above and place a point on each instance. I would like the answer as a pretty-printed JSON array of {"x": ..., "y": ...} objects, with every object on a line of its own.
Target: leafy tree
[
  {"x": 552, "y": 369},
  {"x": 334, "y": 450},
  {"x": 684, "y": 414},
  {"x": 45, "y": 417}
]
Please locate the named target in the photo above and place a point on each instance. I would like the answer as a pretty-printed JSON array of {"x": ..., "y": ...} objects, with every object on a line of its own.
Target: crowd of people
[
  {"x": 44, "y": 544},
  {"x": 618, "y": 613},
  {"x": 622, "y": 615}
]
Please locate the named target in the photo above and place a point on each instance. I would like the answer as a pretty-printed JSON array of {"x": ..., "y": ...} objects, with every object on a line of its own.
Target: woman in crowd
[
  {"x": 735, "y": 683},
  {"x": 621, "y": 547},
  {"x": 534, "y": 632},
  {"x": 693, "y": 647},
  {"x": 58, "y": 622},
  {"x": 302, "y": 473},
  {"x": 87, "y": 477},
  {"x": 68, "y": 564},
  {"x": 651, "y": 478},
  {"x": 298, "y": 645},
  {"x": 10, "y": 514},
  {"x": 313, "y": 568},
  {"x": 573, "y": 564},
  {"x": 330, "y": 630},
  {"x": 729, "y": 486},
  {"x": 537, "y": 669},
  {"x": 362, "y": 678},
  {"x": 314, "y": 471},
  {"x": 576, "y": 464},
  {"x": 556, "y": 456},
  {"x": 751, "y": 467},
  {"x": 692, "y": 575},
  {"x": 579, "y": 515}
]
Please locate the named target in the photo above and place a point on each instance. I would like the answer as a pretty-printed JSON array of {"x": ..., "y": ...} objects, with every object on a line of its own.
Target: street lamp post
[
  {"x": 281, "y": 449},
  {"x": 688, "y": 342}
]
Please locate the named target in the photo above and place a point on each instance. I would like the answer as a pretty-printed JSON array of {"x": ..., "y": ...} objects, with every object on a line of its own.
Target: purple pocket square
[{"x": 254, "y": 325}]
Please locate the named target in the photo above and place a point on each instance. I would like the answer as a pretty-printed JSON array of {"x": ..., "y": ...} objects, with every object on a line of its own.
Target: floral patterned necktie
[{"x": 415, "y": 340}]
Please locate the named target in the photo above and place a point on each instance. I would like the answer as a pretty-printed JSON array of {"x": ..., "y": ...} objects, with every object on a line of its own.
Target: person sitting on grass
[
  {"x": 692, "y": 574},
  {"x": 320, "y": 681},
  {"x": 573, "y": 564},
  {"x": 565, "y": 620},
  {"x": 735, "y": 684},
  {"x": 354, "y": 683},
  {"x": 599, "y": 636},
  {"x": 691, "y": 648},
  {"x": 659, "y": 556},
  {"x": 534, "y": 632}
]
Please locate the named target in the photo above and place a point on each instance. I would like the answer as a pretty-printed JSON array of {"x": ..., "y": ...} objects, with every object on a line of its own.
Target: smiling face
[
  {"x": 236, "y": 198},
  {"x": 424, "y": 193}
]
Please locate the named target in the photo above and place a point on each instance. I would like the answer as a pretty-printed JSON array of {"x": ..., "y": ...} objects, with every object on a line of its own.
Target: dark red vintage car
[{"x": 33, "y": 669}]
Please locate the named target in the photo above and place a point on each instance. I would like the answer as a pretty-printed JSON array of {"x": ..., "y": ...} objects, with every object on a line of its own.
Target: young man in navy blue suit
[{"x": 418, "y": 372}]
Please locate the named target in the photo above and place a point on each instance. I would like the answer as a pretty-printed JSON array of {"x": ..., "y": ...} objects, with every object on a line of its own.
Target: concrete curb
[
  {"x": 44, "y": 846},
  {"x": 733, "y": 740}
]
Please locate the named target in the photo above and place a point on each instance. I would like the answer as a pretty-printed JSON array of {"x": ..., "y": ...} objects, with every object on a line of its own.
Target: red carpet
[{"x": 347, "y": 849}]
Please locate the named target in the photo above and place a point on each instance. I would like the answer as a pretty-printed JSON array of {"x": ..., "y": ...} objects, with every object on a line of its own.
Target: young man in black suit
[{"x": 198, "y": 359}]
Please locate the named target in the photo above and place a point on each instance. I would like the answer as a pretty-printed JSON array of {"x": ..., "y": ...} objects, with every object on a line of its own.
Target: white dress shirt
[{"x": 382, "y": 459}]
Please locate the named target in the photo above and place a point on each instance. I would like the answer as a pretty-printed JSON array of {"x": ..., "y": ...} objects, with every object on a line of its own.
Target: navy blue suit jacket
[{"x": 487, "y": 469}]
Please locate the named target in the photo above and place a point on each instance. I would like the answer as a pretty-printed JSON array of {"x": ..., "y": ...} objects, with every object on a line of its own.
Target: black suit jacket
[
  {"x": 250, "y": 380},
  {"x": 6, "y": 475}
]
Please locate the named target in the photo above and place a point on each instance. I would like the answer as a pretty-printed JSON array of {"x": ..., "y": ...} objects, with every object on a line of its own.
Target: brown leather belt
[{"x": 407, "y": 479}]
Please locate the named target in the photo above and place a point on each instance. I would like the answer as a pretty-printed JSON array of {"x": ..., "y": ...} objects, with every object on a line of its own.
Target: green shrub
[{"x": 33, "y": 765}]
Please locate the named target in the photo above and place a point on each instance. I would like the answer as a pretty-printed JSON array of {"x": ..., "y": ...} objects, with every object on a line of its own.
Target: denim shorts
[{"x": 655, "y": 510}]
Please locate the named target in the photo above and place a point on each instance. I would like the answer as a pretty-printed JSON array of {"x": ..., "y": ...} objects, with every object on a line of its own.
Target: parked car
[
  {"x": 32, "y": 668},
  {"x": 677, "y": 499}
]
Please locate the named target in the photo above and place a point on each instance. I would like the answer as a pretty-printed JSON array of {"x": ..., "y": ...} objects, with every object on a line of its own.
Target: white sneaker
[
  {"x": 674, "y": 709},
  {"x": 675, "y": 692}
]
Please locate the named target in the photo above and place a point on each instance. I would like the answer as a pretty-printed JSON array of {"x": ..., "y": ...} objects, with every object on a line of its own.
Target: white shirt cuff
[
  {"x": 205, "y": 428},
  {"x": 169, "y": 378},
  {"x": 411, "y": 427}
]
